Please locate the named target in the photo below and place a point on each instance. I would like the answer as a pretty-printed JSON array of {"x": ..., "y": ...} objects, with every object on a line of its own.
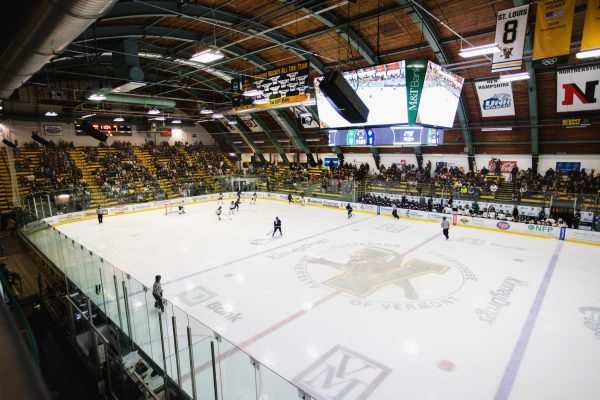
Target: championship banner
[
  {"x": 250, "y": 123},
  {"x": 282, "y": 87},
  {"x": 591, "y": 27},
  {"x": 553, "y": 26},
  {"x": 495, "y": 98},
  {"x": 511, "y": 26},
  {"x": 578, "y": 88}
]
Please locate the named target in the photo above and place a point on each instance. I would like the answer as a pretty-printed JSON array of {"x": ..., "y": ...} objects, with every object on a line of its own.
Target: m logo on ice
[
  {"x": 342, "y": 374},
  {"x": 370, "y": 269}
]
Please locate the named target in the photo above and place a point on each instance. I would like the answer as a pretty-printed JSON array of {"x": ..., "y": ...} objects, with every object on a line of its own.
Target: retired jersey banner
[
  {"x": 307, "y": 121},
  {"x": 591, "y": 26},
  {"x": 511, "y": 26},
  {"x": 578, "y": 88},
  {"x": 281, "y": 87},
  {"x": 495, "y": 98},
  {"x": 250, "y": 123},
  {"x": 553, "y": 26}
]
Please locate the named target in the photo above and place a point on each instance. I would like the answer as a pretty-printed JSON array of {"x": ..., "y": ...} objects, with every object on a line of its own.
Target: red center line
[{"x": 283, "y": 322}]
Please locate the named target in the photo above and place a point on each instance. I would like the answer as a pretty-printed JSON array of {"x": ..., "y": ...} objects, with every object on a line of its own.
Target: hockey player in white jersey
[
  {"x": 253, "y": 200},
  {"x": 218, "y": 212}
]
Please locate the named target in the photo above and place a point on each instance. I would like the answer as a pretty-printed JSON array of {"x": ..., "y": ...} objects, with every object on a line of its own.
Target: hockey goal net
[{"x": 172, "y": 208}]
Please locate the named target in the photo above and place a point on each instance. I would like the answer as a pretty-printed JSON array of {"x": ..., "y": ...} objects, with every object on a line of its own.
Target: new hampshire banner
[
  {"x": 553, "y": 27},
  {"x": 591, "y": 26},
  {"x": 495, "y": 98}
]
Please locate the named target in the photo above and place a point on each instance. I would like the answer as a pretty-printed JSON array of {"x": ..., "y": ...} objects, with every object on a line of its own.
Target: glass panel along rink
[{"x": 368, "y": 307}]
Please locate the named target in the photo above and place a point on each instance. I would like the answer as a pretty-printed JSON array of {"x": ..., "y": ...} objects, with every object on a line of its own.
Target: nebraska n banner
[{"x": 578, "y": 88}]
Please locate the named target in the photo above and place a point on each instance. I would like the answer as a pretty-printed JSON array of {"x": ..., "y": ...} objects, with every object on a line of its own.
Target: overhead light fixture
[
  {"x": 217, "y": 115},
  {"x": 479, "y": 50},
  {"x": 496, "y": 128},
  {"x": 153, "y": 111},
  {"x": 87, "y": 116},
  {"x": 232, "y": 122},
  {"x": 159, "y": 118},
  {"x": 207, "y": 56},
  {"x": 128, "y": 87},
  {"x": 258, "y": 141},
  {"x": 1, "y": 107},
  {"x": 119, "y": 119},
  {"x": 593, "y": 53},
  {"x": 262, "y": 100},
  {"x": 312, "y": 140},
  {"x": 176, "y": 121},
  {"x": 252, "y": 93},
  {"x": 97, "y": 97},
  {"x": 514, "y": 77},
  {"x": 206, "y": 110},
  {"x": 283, "y": 141},
  {"x": 50, "y": 114}
]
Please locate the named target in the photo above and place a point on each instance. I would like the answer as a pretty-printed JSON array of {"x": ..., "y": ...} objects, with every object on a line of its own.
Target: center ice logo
[{"x": 377, "y": 274}]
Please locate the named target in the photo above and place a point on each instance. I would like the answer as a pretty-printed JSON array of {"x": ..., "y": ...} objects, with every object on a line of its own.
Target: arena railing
[{"x": 203, "y": 363}]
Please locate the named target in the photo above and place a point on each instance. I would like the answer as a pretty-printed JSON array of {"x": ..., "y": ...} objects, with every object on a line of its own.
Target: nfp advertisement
[
  {"x": 495, "y": 98},
  {"x": 578, "y": 88},
  {"x": 510, "y": 35},
  {"x": 281, "y": 87}
]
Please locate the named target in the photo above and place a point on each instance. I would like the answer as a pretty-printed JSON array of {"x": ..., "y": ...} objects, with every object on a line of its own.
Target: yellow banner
[
  {"x": 591, "y": 26},
  {"x": 553, "y": 26}
]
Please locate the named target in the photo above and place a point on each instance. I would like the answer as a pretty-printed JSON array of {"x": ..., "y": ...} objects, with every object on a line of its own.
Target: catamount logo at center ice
[{"x": 377, "y": 273}]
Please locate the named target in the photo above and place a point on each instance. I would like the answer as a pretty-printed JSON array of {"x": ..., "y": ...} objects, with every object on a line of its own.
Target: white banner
[
  {"x": 250, "y": 123},
  {"x": 578, "y": 88},
  {"x": 495, "y": 98},
  {"x": 510, "y": 36}
]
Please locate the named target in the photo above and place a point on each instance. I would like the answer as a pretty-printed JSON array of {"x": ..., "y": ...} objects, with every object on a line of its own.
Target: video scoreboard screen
[{"x": 387, "y": 136}]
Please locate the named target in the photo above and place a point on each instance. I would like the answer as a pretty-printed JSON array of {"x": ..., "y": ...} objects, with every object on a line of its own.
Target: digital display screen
[
  {"x": 109, "y": 129},
  {"x": 383, "y": 90},
  {"x": 439, "y": 97},
  {"x": 386, "y": 136},
  {"x": 431, "y": 97}
]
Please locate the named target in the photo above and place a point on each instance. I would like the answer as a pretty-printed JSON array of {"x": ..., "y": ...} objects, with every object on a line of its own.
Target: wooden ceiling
[{"x": 259, "y": 34}]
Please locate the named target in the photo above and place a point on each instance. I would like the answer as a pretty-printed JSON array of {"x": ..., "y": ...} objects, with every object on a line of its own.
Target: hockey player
[
  {"x": 181, "y": 208},
  {"x": 231, "y": 208},
  {"x": 290, "y": 199},
  {"x": 237, "y": 204},
  {"x": 100, "y": 214},
  {"x": 220, "y": 201},
  {"x": 445, "y": 227},
  {"x": 218, "y": 212},
  {"x": 395, "y": 211},
  {"x": 277, "y": 226},
  {"x": 302, "y": 199},
  {"x": 349, "y": 208},
  {"x": 253, "y": 201}
]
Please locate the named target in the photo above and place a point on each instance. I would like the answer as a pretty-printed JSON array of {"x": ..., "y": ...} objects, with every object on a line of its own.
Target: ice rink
[{"x": 371, "y": 307}]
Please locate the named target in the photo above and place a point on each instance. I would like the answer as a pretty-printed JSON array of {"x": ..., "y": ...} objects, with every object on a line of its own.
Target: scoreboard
[
  {"x": 401, "y": 135},
  {"x": 109, "y": 129}
]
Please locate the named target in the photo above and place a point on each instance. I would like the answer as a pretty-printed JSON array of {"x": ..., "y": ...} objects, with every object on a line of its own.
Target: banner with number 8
[{"x": 511, "y": 26}]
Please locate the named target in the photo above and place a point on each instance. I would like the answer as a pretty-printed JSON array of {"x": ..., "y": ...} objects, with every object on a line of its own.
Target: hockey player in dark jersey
[
  {"x": 237, "y": 204},
  {"x": 349, "y": 208},
  {"x": 220, "y": 201},
  {"x": 290, "y": 199},
  {"x": 277, "y": 226}
]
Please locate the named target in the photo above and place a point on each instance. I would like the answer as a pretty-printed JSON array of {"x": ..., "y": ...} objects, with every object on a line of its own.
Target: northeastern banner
[
  {"x": 591, "y": 26},
  {"x": 553, "y": 26},
  {"x": 282, "y": 87}
]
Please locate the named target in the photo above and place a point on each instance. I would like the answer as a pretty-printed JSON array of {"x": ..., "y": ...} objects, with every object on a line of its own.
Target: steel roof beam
[
  {"x": 432, "y": 37},
  {"x": 272, "y": 138}
]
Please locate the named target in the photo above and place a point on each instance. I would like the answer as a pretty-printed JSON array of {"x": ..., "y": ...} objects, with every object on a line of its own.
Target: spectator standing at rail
[{"x": 157, "y": 292}]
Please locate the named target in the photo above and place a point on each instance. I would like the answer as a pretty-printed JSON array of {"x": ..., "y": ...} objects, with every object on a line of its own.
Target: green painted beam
[{"x": 272, "y": 138}]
